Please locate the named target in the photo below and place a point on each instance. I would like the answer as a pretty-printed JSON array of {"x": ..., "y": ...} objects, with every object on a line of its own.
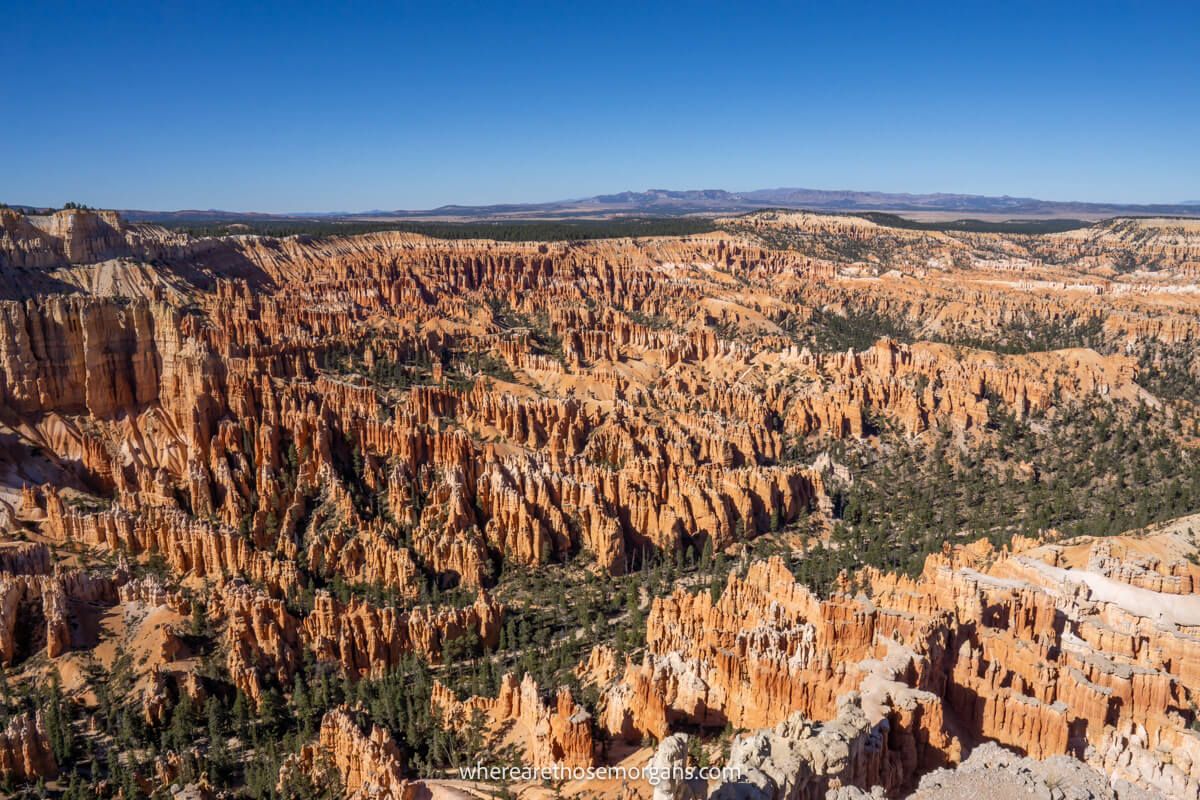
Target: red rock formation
[
  {"x": 366, "y": 640},
  {"x": 557, "y": 734},
  {"x": 388, "y": 410},
  {"x": 368, "y": 766},
  {"x": 25, "y": 558},
  {"x": 76, "y": 354},
  {"x": 150, "y": 591},
  {"x": 43, "y": 603},
  {"x": 986, "y": 645},
  {"x": 25, "y": 753},
  {"x": 1110, "y": 559},
  {"x": 187, "y": 544},
  {"x": 921, "y": 384},
  {"x": 77, "y": 236},
  {"x": 262, "y": 638},
  {"x": 370, "y": 559},
  {"x": 767, "y": 648}
]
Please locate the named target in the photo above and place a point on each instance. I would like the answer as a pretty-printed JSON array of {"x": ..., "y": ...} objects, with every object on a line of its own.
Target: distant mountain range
[{"x": 709, "y": 202}]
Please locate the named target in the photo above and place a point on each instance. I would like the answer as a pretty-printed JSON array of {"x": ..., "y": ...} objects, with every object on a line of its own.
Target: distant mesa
[{"x": 713, "y": 202}]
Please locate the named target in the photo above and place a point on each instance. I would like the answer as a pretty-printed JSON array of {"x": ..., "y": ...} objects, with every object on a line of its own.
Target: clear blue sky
[{"x": 285, "y": 107}]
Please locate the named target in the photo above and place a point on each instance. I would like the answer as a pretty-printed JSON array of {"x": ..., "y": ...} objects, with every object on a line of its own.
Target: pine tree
[
  {"x": 58, "y": 721},
  {"x": 272, "y": 711},
  {"x": 219, "y": 761},
  {"x": 240, "y": 713},
  {"x": 199, "y": 622},
  {"x": 301, "y": 703},
  {"x": 179, "y": 731}
]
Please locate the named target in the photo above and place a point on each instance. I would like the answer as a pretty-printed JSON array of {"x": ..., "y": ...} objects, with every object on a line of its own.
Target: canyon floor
[{"x": 848, "y": 510}]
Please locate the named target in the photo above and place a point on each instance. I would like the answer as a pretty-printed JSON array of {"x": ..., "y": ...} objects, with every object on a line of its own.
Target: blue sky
[{"x": 286, "y": 107}]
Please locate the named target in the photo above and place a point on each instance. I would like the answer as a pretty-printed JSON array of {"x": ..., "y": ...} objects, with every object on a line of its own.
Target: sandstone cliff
[
  {"x": 559, "y": 733},
  {"x": 986, "y": 645},
  {"x": 367, "y": 766},
  {"x": 25, "y": 751}
]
